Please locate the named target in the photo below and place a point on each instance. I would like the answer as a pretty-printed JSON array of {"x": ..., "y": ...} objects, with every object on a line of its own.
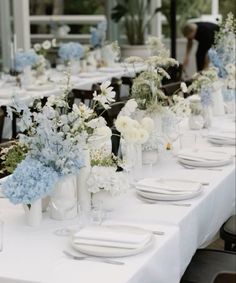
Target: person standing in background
[{"x": 204, "y": 33}]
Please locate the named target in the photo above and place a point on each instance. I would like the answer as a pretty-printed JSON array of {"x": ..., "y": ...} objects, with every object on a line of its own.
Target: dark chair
[
  {"x": 171, "y": 88},
  {"x": 175, "y": 73},
  {"x": 228, "y": 234},
  {"x": 13, "y": 123},
  {"x": 86, "y": 96},
  {"x": 207, "y": 264},
  {"x": 2, "y": 118},
  {"x": 225, "y": 278}
]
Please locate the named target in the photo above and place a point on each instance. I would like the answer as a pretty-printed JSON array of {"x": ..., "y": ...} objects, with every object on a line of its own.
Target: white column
[
  {"x": 215, "y": 7},
  {"x": 5, "y": 28},
  {"x": 21, "y": 23},
  {"x": 156, "y": 24}
]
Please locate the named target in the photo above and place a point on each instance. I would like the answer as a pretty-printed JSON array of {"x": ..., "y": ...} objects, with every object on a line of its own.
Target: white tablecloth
[{"x": 35, "y": 254}]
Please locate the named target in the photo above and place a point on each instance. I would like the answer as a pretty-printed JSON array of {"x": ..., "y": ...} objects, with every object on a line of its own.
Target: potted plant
[{"x": 135, "y": 17}]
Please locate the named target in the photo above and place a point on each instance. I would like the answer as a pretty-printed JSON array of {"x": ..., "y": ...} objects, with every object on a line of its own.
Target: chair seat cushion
[{"x": 230, "y": 225}]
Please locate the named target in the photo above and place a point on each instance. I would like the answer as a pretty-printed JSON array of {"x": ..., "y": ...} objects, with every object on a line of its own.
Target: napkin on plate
[
  {"x": 202, "y": 155},
  {"x": 168, "y": 186},
  {"x": 109, "y": 236}
]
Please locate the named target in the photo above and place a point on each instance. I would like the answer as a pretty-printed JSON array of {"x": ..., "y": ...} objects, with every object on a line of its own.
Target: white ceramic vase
[
  {"x": 63, "y": 203},
  {"x": 195, "y": 122},
  {"x": 75, "y": 67},
  {"x": 84, "y": 196},
  {"x": 109, "y": 56},
  {"x": 33, "y": 213},
  {"x": 27, "y": 77},
  {"x": 217, "y": 98}
]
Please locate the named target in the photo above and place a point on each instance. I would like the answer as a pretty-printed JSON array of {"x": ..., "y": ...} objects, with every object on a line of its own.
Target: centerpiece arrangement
[
  {"x": 223, "y": 56},
  {"x": 56, "y": 136},
  {"x": 202, "y": 86},
  {"x": 71, "y": 53}
]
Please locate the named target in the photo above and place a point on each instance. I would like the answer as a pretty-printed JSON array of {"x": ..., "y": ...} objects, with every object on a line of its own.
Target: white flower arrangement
[
  {"x": 181, "y": 106},
  {"x": 104, "y": 175},
  {"x": 132, "y": 131},
  {"x": 55, "y": 135}
]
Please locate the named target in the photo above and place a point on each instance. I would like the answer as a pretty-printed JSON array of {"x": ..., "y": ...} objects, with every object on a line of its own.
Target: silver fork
[{"x": 93, "y": 258}]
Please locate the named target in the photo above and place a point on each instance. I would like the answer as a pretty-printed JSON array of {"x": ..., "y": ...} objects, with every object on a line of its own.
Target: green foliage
[
  {"x": 227, "y": 6},
  {"x": 11, "y": 157},
  {"x": 134, "y": 14}
]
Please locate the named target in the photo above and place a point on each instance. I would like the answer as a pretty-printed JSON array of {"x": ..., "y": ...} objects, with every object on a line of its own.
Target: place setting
[
  {"x": 205, "y": 158},
  {"x": 224, "y": 138},
  {"x": 105, "y": 242},
  {"x": 167, "y": 191}
]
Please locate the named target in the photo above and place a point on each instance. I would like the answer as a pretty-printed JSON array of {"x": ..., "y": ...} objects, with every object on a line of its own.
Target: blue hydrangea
[
  {"x": 98, "y": 34},
  {"x": 70, "y": 51},
  {"x": 228, "y": 94},
  {"x": 206, "y": 97},
  {"x": 217, "y": 62},
  {"x": 24, "y": 59},
  {"x": 30, "y": 181}
]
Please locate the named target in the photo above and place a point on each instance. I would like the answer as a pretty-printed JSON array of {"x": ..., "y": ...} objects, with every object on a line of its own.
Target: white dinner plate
[
  {"x": 101, "y": 251},
  {"x": 111, "y": 70},
  {"x": 169, "y": 197},
  {"x": 204, "y": 158},
  {"x": 221, "y": 141},
  {"x": 168, "y": 189},
  {"x": 90, "y": 74},
  {"x": 8, "y": 93}
]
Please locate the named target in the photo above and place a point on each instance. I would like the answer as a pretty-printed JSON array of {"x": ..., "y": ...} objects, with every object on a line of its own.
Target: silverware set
[{"x": 93, "y": 258}]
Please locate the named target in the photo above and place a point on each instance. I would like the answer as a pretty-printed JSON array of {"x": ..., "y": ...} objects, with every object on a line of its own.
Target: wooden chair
[
  {"x": 225, "y": 278},
  {"x": 13, "y": 123},
  {"x": 2, "y": 118}
]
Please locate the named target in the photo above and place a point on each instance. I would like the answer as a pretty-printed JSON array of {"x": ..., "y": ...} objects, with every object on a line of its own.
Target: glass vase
[
  {"x": 84, "y": 196},
  {"x": 63, "y": 203}
]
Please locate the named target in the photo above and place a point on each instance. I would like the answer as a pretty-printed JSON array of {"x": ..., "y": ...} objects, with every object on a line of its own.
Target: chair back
[{"x": 225, "y": 278}]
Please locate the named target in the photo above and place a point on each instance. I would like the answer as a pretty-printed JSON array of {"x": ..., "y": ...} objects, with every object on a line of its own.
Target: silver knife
[{"x": 91, "y": 258}]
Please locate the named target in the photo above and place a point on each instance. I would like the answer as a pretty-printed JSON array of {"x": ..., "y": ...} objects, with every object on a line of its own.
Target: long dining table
[
  {"x": 33, "y": 255},
  {"x": 56, "y": 84}
]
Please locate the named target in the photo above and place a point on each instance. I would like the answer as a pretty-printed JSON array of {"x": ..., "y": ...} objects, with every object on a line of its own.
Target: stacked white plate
[
  {"x": 40, "y": 87},
  {"x": 111, "y": 240},
  {"x": 204, "y": 157},
  {"x": 111, "y": 69},
  {"x": 7, "y": 93},
  {"x": 90, "y": 74},
  {"x": 168, "y": 189},
  {"x": 222, "y": 138}
]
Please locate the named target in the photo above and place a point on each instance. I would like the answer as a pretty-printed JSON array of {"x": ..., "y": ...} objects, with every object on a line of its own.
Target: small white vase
[
  {"x": 84, "y": 196},
  {"x": 63, "y": 203},
  {"x": 207, "y": 116},
  {"x": 196, "y": 122},
  {"x": 74, "y": 66},
  {"x": 33, "y": 213},
  {"x": 27, "y": 77},
  {"x": 109, "y": 56}
]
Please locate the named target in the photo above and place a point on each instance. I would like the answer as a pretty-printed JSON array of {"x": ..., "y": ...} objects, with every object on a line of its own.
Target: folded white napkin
[
  {"x": 112, "y": 236},
  {"x": 168, "y": 186},
  {"x": 203, "y": 155}
]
